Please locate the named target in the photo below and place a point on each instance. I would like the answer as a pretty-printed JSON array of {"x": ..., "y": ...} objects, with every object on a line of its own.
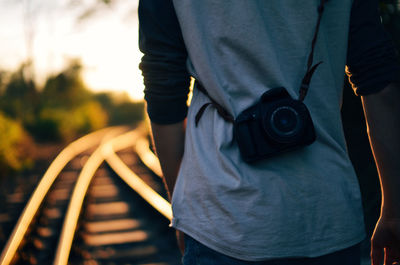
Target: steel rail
[
  {"x": 76, "y": 201},
  {"x": 147, "y": 156},
  {"x": 66, "y": 155},
  {"x": 106, "y": 151}
]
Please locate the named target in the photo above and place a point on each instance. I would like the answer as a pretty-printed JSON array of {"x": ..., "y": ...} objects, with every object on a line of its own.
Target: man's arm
[
  {"x": 169, "y": 142},
  {"x": 382, "y": 112},
  {"x": 373, "y": 68},
  {"x": 166, "y": 82}
]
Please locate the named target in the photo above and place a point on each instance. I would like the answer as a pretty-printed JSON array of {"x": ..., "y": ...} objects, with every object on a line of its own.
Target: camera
[{"x": 275, "y": 124}]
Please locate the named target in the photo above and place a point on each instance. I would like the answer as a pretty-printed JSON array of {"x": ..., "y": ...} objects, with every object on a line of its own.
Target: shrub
[
  {"x": 55, "y": 124},
  {"x": 15, "y": 146}
]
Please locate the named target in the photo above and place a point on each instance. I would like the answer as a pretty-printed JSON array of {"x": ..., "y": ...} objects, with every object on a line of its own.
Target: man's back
[
  {"x": 302, "y": 203},
  {"x": 281, "y": 206}
]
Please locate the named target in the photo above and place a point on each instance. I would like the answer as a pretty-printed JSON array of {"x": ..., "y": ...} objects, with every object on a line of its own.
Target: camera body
[{"x": 275, "y": 124}]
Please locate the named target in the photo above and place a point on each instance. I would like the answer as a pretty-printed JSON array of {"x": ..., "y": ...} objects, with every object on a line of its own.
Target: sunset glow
[{"x": 105, "y": 42}]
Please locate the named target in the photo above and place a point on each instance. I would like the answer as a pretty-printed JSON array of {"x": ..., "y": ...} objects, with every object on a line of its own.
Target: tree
[
  {"x": 19, "y": 97},
  {"x": 66, "y": 89}
]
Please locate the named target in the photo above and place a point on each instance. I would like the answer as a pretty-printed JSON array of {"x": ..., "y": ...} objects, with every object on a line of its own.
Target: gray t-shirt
[{"x": 303, "y": 203}]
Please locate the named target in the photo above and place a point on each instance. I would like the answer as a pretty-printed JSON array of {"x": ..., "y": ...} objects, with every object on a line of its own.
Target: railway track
[{"x": 101, "y": 201}]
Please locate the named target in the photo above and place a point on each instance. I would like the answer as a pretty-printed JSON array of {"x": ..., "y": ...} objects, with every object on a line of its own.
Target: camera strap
[
  {"x": 305, "y": 84},
  {"x": 221, "y": 110}
]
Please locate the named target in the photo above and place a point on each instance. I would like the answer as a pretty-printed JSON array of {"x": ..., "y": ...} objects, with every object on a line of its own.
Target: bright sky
[{"x": 106, "y": 42}]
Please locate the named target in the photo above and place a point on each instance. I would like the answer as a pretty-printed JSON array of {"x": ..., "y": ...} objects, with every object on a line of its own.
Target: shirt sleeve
[
  {"x": 163, "y": 64},
  {"x": 372, "y": 60}
]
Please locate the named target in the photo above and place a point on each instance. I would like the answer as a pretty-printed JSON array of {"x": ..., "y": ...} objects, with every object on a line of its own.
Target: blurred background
[{"x": 69, "y": 67}]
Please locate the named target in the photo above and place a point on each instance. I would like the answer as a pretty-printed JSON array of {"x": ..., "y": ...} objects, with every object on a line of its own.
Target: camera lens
[
  {"x": 283, "y": 124},
  {"x": 285, "y": 120}
]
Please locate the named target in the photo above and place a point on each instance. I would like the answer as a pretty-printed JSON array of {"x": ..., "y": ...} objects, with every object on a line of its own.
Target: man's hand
[
  {"x": 385, "y": 242},
  {"x": 382, "y": 112}
]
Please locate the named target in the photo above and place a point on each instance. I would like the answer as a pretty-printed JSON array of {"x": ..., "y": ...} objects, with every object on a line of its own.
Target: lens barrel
[{"x": 283, "y": 122}]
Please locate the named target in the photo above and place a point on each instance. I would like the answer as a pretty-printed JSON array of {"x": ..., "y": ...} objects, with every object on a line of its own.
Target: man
[{"x": 298, "y": 207}]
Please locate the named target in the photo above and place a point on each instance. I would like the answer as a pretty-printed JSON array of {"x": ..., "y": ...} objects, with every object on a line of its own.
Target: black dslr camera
[{"x": 275, "y": 124}]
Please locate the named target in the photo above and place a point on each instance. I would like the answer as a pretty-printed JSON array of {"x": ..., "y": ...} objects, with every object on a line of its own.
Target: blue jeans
[{"x": 198, "y": 254}]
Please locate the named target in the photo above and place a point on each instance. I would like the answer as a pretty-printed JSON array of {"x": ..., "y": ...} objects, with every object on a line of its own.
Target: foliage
[
  {"x": 62, "y": 124},
  {"x": 15, "y": 146},
  {"x": 60, "y": 111},
  {"x": 67, "y": 108},
  {"x": 121, "y": 109},
  {"x": 20, "y": 97},
  {"x": 66, "y": 89}
]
